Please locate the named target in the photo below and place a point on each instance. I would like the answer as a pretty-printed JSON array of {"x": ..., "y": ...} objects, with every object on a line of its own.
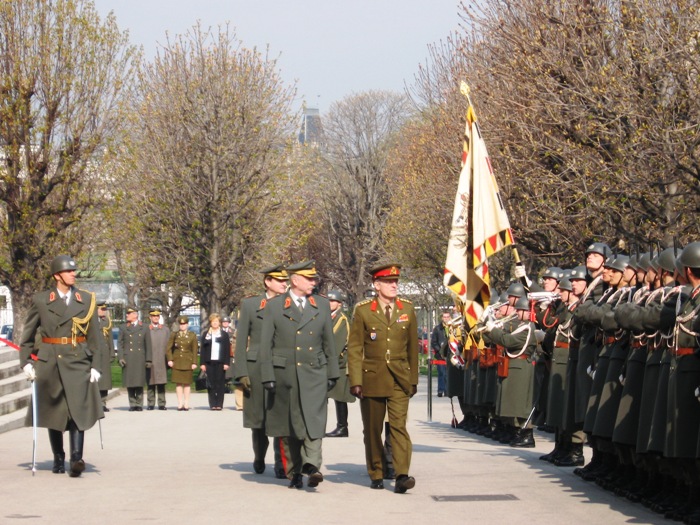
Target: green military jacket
[
  {"x": 182, "y": 349},
  {"x": 131, "y": 347}
]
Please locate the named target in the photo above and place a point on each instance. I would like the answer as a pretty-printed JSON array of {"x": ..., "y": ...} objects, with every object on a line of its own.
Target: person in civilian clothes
[{"x": 215, "y": 360}]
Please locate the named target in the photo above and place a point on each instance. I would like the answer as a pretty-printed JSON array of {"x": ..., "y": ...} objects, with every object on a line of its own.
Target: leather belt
[
  {"x": 561, "y": 344},
  {"x": 684, "y": 351},
  {"x": 62, "y": 340}
]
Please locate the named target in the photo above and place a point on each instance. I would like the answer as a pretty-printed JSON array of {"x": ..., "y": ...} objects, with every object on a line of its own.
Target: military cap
[
  {"x": 131, "y": 309},
  {"x": 226, "y": 319},
  {"x": 155, "y": 311},
  {"x": 63, "y": 263},
  {"x": 386, "y": 271},
  {"x": 183, "y": 319},
  {"x": 102, "y": 305},
  {"x": 305, "y": 268},
  {"x": 276, "y": 272},
  {"x": 336, "y": 295}
]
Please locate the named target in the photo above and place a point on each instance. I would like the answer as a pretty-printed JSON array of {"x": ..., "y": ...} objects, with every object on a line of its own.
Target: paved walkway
[{"x": 196, "y": 467}]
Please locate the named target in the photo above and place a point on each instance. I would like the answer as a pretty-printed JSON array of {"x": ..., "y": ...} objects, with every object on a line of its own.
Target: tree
[
  {"x": 210, "y": 135},
  {"x": 354, "y": 191},
  {"x": 62, "y": 76}
]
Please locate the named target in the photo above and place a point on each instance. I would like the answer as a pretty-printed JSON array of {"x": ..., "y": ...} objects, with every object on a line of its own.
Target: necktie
[
  {"x": 300, "y": 302},
  {"x": 387, "y": 312}
]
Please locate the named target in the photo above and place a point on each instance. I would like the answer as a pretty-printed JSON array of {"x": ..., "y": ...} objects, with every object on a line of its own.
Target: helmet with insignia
[
  {"x": 690, "y": 256},
  {"x": 667, "y": 260},
  {"x": 516, "y": 290},
  {"x": 369, "y": 293},
  {"x": 63, "y": 263},
  {"x": 643, "y": 262},
  {"x": 386, "y": 271},
  {"x": 617, "y": 262},
  {"x": 600, "y": 248},
  {"x": 336, "y": 295},
  {"x": 226, "y": 319},
  {"x": 553, "y": 272},
  {"x": 565, "y": 284},
  {"x": 522, "y": 303},
  {"x": 579, "y": 272}
]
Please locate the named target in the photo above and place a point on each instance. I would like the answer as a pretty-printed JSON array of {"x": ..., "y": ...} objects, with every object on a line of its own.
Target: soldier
[
  {"x": 383, "y": 368},
  {"x": 341, "y": 391},
  {"x": 299, "y": 366},
  {"x": 132, "y": 358},
  {"x": 181, "y": 352},
  {"x": 247, "y": 370},
  {"x": 107, "y": 354},
  {"x": 60, "y": 351},
  {"x": 516, "y": 386},
  {"x": 156, "y": 365}
]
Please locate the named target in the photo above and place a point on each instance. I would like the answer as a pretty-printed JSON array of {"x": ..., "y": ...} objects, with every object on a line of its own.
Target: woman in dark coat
[{"x": 214, "y": 360}]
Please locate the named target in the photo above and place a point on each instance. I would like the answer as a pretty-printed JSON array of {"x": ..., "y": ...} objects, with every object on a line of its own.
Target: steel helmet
[
  {"x": 667, "y": 260},
  {"x": 618, "y": 262},
  {"x": 579, "y": 272},
  {"x": 62, "y": 263},
  {"x": 553, "y": 272},
  {"x": 516, "y": 290},
  {"x": 565, "y": 284},
  {"x": 690, "y": 256},
  {"x": 600, "y": 248},
  {"x": 522, "y": 303},
  {"x": 336, "y": 295}
]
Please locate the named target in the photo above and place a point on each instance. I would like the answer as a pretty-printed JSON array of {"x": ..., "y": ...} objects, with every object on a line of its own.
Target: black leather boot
[
  {"x": 77, "y": 465},
  {"x": 341, "y": 430},
  {"x": 59, "y": 455},
  {"x": 574, "y": 458},
  {"x": 523, "y": 439}
]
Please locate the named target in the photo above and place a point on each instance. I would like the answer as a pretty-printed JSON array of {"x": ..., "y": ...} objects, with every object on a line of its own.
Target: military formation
[{"x": 605, "y": 354}]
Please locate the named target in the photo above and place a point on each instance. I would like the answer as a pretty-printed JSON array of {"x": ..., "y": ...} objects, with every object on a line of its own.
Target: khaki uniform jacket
[
  {"x": 341, "y": 331},
  {"x": 106, "y": 354},
  {"x": 382, "y": 353},
  {"x": 132, "y": 349},
  {"x": 63, "y": 385},
  {"x": 156, "y": 346},
  {"x": 182, "y": 350},
  {"x": 297, "y": 351}
]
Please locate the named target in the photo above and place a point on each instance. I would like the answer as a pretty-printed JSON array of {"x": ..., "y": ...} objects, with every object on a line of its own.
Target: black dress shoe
[
  {"x": 259, "y": 466},
  {"x": 59, "y": 464},
  {"x": 132, "y": 409},
  {"x": 76, "y": 468},
  {"x": 279, "y": 473},
  {"x": 440, "y": 394},
  {"x": 297, "y": 482},
  {"x": 105, "y": 409},
  {"x": 403, "y": 483},
  {"x": 162, "y": 408},
  {"x": 139, "y": 409},
  {"x": 338, "y": 432},
  {"x": 151, "y": 408},
  {"x": 315, "y": 477},
  {"x": 377, "y": 484}
]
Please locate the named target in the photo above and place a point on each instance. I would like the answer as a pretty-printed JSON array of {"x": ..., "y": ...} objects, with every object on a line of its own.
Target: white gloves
[
  {"x": 539, "y": 335},
  {"x": 520, "y": 271},
  {"x": 490, "y": 325},
  {"x": 94, "y": 375},
  {"x": 622, "y": 380},
  {"x": 697, "y": 393},
  {"x": 29, "y": 371},
  {"x": 591, "y": 371}
]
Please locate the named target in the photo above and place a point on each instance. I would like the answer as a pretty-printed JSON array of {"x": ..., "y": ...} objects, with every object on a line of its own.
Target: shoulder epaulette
[
  {"x": 405, "y": 300},
  {"x": 366, "y": 301}
]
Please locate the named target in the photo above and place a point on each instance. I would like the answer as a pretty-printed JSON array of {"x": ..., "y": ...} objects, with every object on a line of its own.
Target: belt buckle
[{"x": 65, "y": 340}]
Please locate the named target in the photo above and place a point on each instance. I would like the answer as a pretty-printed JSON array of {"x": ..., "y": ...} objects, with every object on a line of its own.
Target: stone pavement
[{"x": 196, "y": 467}]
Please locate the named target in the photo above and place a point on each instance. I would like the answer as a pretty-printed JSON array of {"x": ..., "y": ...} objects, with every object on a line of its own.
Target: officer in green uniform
[
  {"x": 106, "y": 353},
  {"x": 59, "y": 349},
  {"x": 246, "y": 365},
  {"x": 341, "y": 391},
  {"x": 181, "y": 352},
  {"x": 383, "y": 373},
  {"x": 156, "y": 366},
  {"x": 131, "y": 352},
  {"x": 299, "y": 366}
]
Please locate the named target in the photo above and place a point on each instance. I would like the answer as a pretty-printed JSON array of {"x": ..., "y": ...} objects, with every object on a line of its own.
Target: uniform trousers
[
  {"x": 135, "y": 396},
  {"x": 156, "y": 391},
  {"x": 373, "y": 411},
  {"x": 260, "y": 444},
  {"x": 297, "y": 453}
]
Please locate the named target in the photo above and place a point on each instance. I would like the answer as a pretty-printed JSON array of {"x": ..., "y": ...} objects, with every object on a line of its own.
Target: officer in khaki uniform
[
  {"x": 181, "y": 352},
  {"x": 106, "y": 353},
  {"x": 341, "y": 391},
  {"x": 383, "y": 370}
]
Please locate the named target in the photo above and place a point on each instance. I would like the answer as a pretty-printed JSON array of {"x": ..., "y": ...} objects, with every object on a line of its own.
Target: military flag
[{"x": 480, "y": 225}]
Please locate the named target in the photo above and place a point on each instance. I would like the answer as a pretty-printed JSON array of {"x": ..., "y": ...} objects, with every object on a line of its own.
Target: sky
[{"x": 329, "y": 48}]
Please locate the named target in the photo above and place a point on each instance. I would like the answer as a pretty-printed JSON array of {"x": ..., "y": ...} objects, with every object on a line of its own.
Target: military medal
[{"x": 373, "y": 336}]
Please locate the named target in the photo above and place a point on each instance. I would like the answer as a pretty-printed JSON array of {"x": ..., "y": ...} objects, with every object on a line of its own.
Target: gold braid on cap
[
  {"x": 82, "y": 325},
  {"x": 308, "y": 273}
]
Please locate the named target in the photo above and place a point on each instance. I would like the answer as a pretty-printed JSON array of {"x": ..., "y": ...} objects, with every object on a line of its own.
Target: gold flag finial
[{"x": 464, "y": 88}]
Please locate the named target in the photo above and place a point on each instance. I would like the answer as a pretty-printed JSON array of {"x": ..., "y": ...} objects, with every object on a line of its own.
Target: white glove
[
  {"x": 622, "y": 380},
  {"x": 543, "y": 305},
  {"x": 697, "y": 393},
  {"x": 29, "y": 371},
  {"x": 486, "y": 317},
  {"x": 490, "y": 325},
  {"x": 520, "y": 271},
  {"x": 539, "y": 335},
  {"x": 590, "y": 371},
  {"x": 94, "y": 375}
]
